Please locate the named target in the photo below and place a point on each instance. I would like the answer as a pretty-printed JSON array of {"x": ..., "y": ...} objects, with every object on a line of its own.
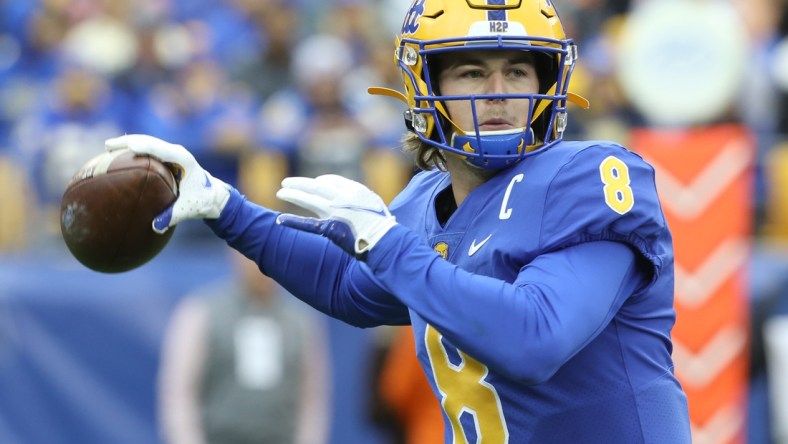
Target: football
[{"x": 108, "y": 208}]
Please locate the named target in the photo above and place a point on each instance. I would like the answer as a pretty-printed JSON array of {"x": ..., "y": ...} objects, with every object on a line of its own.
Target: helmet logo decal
[
  {"x": 499, "y": 27},
  {"x": 411, "y": 23}
]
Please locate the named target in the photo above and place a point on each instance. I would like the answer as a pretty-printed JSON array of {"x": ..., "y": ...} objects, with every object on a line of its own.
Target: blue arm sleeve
[
  {"x": 558, "y": 304},
  {"x": 308, "y": 266}
]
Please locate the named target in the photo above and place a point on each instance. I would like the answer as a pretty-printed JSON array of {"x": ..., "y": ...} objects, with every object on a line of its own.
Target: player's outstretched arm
[
  {"x": 546, "y": 329},
  {"x": 310, "y": 268},
  {"x": 200, "y": 195}
]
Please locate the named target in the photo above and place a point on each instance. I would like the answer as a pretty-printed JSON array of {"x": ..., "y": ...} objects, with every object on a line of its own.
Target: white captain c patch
[{"x": 506, "y": 211}]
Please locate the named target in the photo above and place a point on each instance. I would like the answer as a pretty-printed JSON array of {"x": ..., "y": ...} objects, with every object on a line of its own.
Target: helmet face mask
[{"x": 436, "y": 28}]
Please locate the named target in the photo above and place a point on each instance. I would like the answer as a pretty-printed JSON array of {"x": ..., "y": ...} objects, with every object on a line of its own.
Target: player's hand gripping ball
[{"x": 107, "y": 209}]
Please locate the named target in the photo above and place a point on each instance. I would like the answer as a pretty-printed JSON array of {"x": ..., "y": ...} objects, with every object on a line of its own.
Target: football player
[{"x": 537, "y": 273}]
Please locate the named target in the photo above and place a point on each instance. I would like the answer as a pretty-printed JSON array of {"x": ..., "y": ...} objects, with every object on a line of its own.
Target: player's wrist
[
  {"x": 229, "y": 210},
  {"x": 221, "y": 196},
  {"x": 374, "y": 234},
  {"x": 388, "y": 247}
]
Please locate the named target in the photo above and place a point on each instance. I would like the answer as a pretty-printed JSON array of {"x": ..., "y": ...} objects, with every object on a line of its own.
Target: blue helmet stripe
[{"x": 497, "y": 15}]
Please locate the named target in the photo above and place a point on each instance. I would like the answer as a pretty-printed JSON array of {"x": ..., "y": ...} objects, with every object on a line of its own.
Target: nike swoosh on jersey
[
  {"x": 475, "y": 247},
  {"x": 207, "y": 183}
]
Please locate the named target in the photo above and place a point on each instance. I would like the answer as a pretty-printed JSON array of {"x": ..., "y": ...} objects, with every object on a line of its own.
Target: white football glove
[
  {"x": 200, "y": 195},
  {"x": 350, "y": 214}
]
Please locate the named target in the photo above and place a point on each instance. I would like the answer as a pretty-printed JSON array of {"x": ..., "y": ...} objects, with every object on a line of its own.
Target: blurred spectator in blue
[
  {"x": 318, "y": 124},
  {"x": 595, "y": 26},
  {"x": 201, "y": 108},
  {"x": 69, "y": 106},
  {"x": 25, "y": 45},
  {"x": 310, "y": 122},
  {"x": 356, "y": 22},
  {"x": 585, "y": 18},
  {"x": 224, "y": 30},
  {"x": 67, "y": 129},
  {"x": 41, "y": 31},
  {"x": 379, "y": 114},
  {"x": 29, "y": 44},
  {"x": 241, "y": 364},
  {"x": 387, "y": 168},
  {"x": 14, "y": 17},
  {"x": 267, "y": 69},
  {"x": 162, "y": 47}
]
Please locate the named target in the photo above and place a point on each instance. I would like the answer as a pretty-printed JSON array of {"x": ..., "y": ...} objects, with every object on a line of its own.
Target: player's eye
[
  {"x": 519, "y": 72},
  {"x": 471, "y": 74}
]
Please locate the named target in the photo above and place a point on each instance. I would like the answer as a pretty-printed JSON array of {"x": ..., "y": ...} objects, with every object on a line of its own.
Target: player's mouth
[{"x": 496, "y": 124}]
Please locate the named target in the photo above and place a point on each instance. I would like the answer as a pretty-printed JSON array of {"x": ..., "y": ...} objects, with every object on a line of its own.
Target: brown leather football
[{"x": 108, "y": 207}]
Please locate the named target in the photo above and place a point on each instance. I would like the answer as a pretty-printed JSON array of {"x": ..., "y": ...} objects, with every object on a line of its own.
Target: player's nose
[{"x": 496, "y": 83}]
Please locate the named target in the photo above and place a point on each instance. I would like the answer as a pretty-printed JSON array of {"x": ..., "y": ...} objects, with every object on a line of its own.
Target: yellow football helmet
[{"x": 437, "y": 26}]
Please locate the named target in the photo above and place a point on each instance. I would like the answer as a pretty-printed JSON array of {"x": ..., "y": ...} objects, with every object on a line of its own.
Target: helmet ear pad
[
  {"x": 547, "y": 72},
  {"x": 435, "y": 68}
]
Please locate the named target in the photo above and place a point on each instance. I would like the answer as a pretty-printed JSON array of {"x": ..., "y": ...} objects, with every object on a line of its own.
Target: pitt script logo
[{"x": 411, "y": 25}]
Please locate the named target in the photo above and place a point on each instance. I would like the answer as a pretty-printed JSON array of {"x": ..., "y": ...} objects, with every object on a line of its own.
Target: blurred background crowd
[{"x": 262, "y": 89}]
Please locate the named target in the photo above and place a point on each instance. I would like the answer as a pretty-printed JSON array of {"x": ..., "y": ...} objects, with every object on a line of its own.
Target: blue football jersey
[
  {"x": 541, "y": 309},
  {"x": 616, "y": 382}
]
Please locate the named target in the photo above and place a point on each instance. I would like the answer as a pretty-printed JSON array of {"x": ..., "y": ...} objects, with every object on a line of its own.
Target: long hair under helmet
[{"x": 433, "y": 27}]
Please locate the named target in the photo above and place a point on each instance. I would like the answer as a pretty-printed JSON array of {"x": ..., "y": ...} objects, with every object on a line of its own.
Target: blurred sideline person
[
  {"x": 776, "y": 333},
  {"x": 241, "y": 365},
  {"x": 536, "y": 273},
  {"x": 403, "y": 402}
]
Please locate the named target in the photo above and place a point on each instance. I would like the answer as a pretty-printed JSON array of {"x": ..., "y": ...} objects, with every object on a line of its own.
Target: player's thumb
[
  {"x": 303, "y": 223},
  {"x": 116, "y": 143},
  {"x": 164, "y": 220}
]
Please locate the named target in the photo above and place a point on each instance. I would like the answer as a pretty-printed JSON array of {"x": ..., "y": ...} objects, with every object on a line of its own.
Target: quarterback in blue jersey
[{"x": 537, "y": 273}]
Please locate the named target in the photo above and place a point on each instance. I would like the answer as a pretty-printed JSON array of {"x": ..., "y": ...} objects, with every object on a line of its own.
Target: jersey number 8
[
  {"x": 618, "y": 193},
  {"x": 465, "y": 391}
]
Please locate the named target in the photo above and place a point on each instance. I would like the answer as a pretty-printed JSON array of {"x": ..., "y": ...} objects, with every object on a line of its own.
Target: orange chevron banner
[{"x": 705, "y": 179}]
